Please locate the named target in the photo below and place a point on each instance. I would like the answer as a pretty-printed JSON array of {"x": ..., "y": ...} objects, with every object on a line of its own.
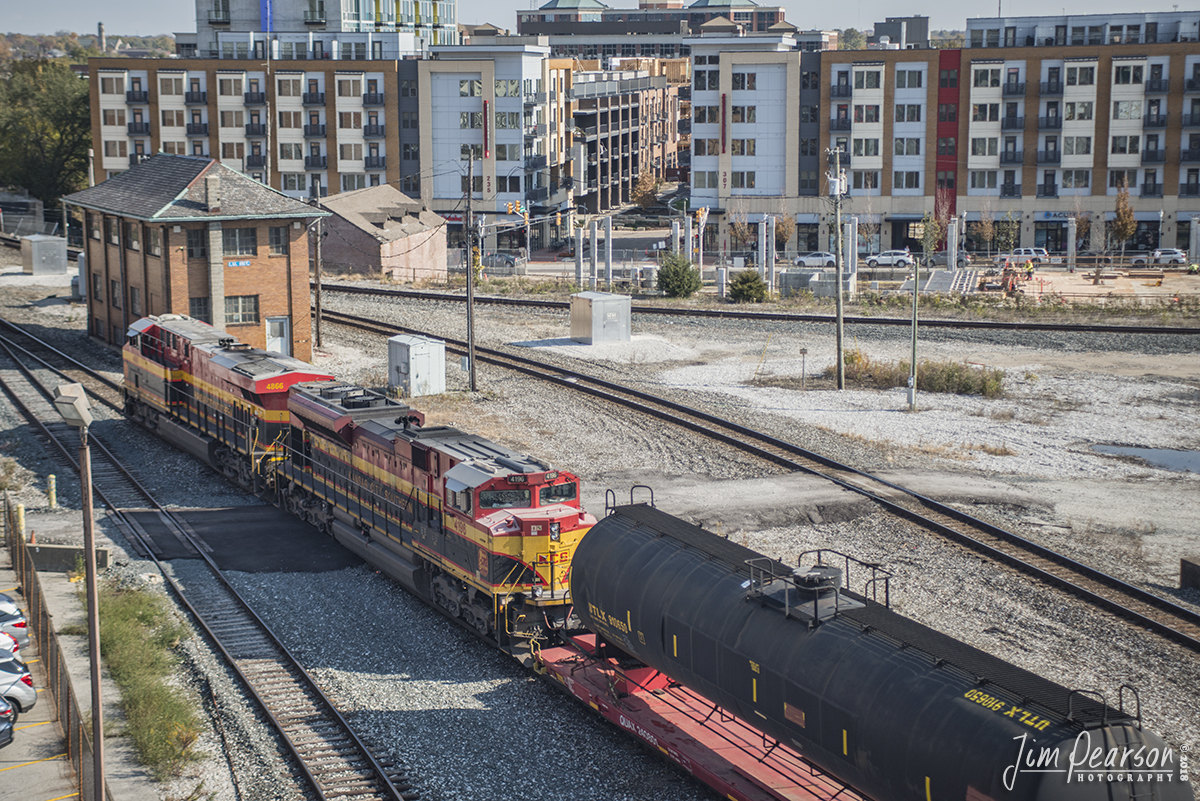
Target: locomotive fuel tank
[{"x": 890, "y": 706}]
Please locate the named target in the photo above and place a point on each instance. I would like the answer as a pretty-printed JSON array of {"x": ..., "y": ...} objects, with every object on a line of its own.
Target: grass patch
[
  {"x": 950, "y": 377},
  {"x": 137, "y": 641}
]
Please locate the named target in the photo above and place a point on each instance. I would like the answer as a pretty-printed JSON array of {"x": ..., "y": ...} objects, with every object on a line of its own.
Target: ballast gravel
[{"x": 468, "y": 723}]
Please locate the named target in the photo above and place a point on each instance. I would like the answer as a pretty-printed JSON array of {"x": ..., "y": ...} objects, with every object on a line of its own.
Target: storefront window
[{"x": 1050, "y": 235}]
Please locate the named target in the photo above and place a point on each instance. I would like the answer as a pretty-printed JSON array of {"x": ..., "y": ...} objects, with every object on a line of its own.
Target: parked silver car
[
  {"x": 818, "y": 259},
  {"x": 1162, "y": 256},
  {"x": 8, "y": 718},
  {"x": 893, "y": 258},
  {"x": 16, "y": 685},
  {"x": 12, "y": 621}
]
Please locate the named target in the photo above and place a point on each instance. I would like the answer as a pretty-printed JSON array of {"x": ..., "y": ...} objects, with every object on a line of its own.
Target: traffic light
[
  {"x": 526, "y": 213},
  {"x": 558, "y": 218},
  {"x": 509, "y": 207}
]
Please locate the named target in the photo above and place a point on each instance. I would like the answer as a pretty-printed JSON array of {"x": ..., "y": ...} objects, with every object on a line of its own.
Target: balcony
[
  {"x": 537, "y": 195},
  {"x": 1049, "y": 156},
  {"x": 535, "y": 163},
  {"x": 255, "y": 98},
  {"x": 314, "y": 130},
  {"x": 1189, "y": 190},
  {"x": 195, "y": 98},
  {"x": 1012, "y": 157},
  {"x": 839, "y": 124},
  {"x": 533, "y": 131},
  {"x": 840, "y": 90},
  {"x": 1189, "y": 155},
  {"x": 256, "y": 129},
  {"x": 255, "y": 160},
  {"x": 313, "y": 98},
  {"x": 1154, "y": 156},
  {"x": 1154, "y": 121},
  {"x": 1012, "y": 123},
  {"x": 314, "y": 17},
  {"x": 138, "y": 128},
  {"x": 197, "y": 129},
  {"x": 1013, "y": 89},
  {"x": 1052, "y": 87},
  {"x": 314, "y": 162},
  {"x": 588, "y": 133},
  {"x": 375, "y": 162},
  {"x": 137, "y": 158},
  {"x": 137, "y": 96},
  {"x": 1191, "y": 120},
  {"x": 1158, "y": 86},
  {"x": 218, "y": 17},
  {"x": 373, "y": 131},
  {"x": 373, "y": 99},
  {"x": 1052, "y": 123},
  {"x": 1010, "y": 190},
  {"x": 1193, "y": 84},
  {"x": 1152, "y": 190},
  {"x": 1047, "y": 190},
  {"x": 535, "y": 98}
]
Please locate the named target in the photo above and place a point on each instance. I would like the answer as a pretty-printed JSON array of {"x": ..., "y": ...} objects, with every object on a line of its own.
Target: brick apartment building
[{"x": 187, "y": 235}]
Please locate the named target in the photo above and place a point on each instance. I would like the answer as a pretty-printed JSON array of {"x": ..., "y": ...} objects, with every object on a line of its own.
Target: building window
[
  {"x": 292, "y": 181},
  {"x": 808, "y": 180},
  {"x": 866, "y": 113},
  {"x": 154, "y": 241},
  {"x": 747, "y": 81},
  {"x": 1077, "y": 145},
  {"x": 946, "y": 146},
  {"x": 229, "y": 87},
  {"x": 1119, "y": 179},
  {"x": 470, "y": 88},
  {"x": 353, "y": 180},
  {"x": 1077, "y": 111},
  {"x": 94, "y": 226},
  {"x": 135, "y": 301},
  {"x": 866, "y": 147},
  {"x": 1127, "y": 74},
  {"x": 200, "y": 309},
  {"x": 291, "y": 151},
  {"x": 808, "y": 147},
  {"x": 985, "y": 112},
  {"x": 350, "y": 119},
  {"x": 986, "y": 77},
  {"x": 1081, "y": 76},
  {"x": 1127, "y": 110},
  {"x": 1126, "y": 144},
  {"x": 114, "y": 117},
  {"x": 1076, "y": 179},
  {"x": 233, "y": 150},
  {"x": 239, "y": 241},
  {"x": 908, "y": 79},
  {"x": 408, "y": 119},
  {"x": 112, "y": 86},
  {"x": 278, "y": 240},
  {"x": 945, "y": 179},
  {"x": 98, "y": 290},
  {"x": 865, "y": 179},
  {"x": 232, "y": 119},
  {"x": 907, "y": 147},
  {"x": 947, "y": 112},
  {"x": 704, "y": 180},
  {"x": 133, "y": 238},
  {"x": 408, "y": 88},
  {"x": 906, "y": 180},
  {"x": 742, "y": 180},
  {"x": 809, "y": 114},
  {"x": 948, "y": 79},
  {"x": 742, "y": 147},
  {"x": 866, "y": 79},
  {"x": 114, "y": 230},
  {"x": 411, "y": 183},
  {"x": 114, "y": 293},
  {"x": 409, "y": 152},
  {"x": 983, "y": 179},
  {"x": 116, "y": 148},
  {"x": 744, "y": 113},
  {"x": 477, "y": 183},
  {"x": 350, "y": 152},
  {"x": 470, "y": 119},
  {"x": 908, "y": 112},
  {"x": 349, "y": 88},
  {"x": 170, "y": 86},
  {"x": 984, "y": 146},
  {"x": 241, "y": 310}
]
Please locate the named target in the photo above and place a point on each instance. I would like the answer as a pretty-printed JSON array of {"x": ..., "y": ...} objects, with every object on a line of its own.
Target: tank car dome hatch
[{"x": 818, "y": 577}]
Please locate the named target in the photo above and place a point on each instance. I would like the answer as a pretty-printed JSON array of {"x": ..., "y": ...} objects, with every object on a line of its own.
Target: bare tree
[
  {"x": 1008, "y": 231},
  {"x": 785, "y": 226},
  {"x": 987, "y": 224},
  {"x": 1124, "y": 225},
  {"x": 868, "y": 230},
  {"x": 739, "y": 225},
  {"x": 1083, "y": 223}
]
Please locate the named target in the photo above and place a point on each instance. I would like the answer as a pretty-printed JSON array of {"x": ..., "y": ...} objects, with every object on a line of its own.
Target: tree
[
  {"x": 1008, "y": 231},
  {"x": 1124, "y": 225},
  {"x": 748, "y": 287},
  {"x": 644, "y": 191},
  {"x": 677, "y": 278},
  {"x": 987, "y": 225},
  {"x": 852, "y": 39},
  {"x": 739, "y": 226},
  {"x": 785, "y": 229},
  {"x": 45, "y": 129},
  {"x": 933, "y": 231}
]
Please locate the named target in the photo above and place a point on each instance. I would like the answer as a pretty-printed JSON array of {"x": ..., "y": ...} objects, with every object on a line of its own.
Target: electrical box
[
  {"x": 44, "y": 255},
  {"x": 600, "y": 317},
  {"x": 416, "y": 366}
]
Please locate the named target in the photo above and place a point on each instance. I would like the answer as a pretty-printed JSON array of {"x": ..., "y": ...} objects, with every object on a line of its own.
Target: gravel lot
[{"x": 470, "y": 724}]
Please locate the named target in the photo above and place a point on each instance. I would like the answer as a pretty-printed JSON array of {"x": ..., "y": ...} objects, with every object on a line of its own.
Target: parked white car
[
  {"x": 817, "y": 259},
  {"x": 1162, "y": 256},
  {"x": 1021, "y": 255},
  {"x": 16, "y": 685},
  {"x": 894, "y": 258}
]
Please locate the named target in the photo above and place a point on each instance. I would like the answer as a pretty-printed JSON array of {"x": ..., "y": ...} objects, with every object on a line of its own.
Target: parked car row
[{"x": 17, "y": 694}]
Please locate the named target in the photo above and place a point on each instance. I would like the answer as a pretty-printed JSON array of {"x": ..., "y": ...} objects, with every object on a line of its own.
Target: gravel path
[{"x": 470, "y": 724}]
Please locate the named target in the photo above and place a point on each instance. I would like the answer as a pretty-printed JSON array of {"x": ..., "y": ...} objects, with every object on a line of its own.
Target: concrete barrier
[
  {"x": 63, "y": 558},
  {"x": 1189, "y": 573}
]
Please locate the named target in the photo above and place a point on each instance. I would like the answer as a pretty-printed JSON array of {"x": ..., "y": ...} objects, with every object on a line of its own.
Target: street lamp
[{"x": 72, "y": 403}]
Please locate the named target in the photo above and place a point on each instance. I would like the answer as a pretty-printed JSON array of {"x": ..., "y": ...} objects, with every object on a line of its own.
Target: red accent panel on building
[
  {"x": 722, "y": 122},
  {"x": 951, "y": 60}
]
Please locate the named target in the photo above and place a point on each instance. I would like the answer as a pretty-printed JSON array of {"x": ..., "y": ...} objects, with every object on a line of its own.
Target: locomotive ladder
[{"x": 327, "y": 753}]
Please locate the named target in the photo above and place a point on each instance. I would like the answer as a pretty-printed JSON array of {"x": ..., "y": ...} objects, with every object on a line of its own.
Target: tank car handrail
[
  {"x": 869, "y": 585},
  {"x": 1136, "y": 696},
  {"x": 1071, "y": 703},
  {"x": 610, "y": 501}
]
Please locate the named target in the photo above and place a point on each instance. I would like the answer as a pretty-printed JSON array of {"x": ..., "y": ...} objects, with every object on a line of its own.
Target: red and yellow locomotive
[{"x": 482, "y": 531}]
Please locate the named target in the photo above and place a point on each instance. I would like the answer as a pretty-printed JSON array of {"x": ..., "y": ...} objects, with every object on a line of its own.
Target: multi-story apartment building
[
  {"x": 625, "y": 123},
  {"x": 305, "y": 29},
  {"x": 302, "y": 127},
  {"x": 1030, "y": 134}
]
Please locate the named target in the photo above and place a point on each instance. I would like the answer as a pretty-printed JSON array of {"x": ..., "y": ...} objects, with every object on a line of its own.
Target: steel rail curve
[
  {"x": 1107, "y": 592},
  {"x": 737, "y": 314},
  {"x": 327, "y": 752}
]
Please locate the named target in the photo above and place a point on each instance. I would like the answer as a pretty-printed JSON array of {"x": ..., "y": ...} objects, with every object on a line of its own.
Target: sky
[{"x": 146, "y": 18}]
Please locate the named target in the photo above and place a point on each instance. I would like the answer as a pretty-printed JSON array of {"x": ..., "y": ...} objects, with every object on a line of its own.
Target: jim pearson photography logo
[{"x": 1088, "y": 762}]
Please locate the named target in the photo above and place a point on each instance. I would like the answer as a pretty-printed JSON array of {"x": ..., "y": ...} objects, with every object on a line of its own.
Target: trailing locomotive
[
  {"x": 478, "y": 529},
  {"x": 895, "y": 709}
]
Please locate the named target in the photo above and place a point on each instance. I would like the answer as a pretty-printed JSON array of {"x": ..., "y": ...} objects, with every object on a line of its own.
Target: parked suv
[
  {"x": 894, "y": 258},
  {"x": 1162, "y": 256},
  {"x": 818, "y": 259},
  {"x": 1022, "y": 255}
]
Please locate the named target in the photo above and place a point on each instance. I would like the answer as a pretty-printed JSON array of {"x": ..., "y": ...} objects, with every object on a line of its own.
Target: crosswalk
[{"x": 962, "y": 281}]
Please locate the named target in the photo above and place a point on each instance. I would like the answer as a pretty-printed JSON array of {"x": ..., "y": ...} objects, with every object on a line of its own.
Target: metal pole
[
  {"x": 912, "y": 372},
  {"x": 841, "y": 330},
  {"x": 470, "y": 273},
  {"x": 93, "y": 606},
  {"x": 608, "y": 250},
  {"x": 317, "y": 267}
]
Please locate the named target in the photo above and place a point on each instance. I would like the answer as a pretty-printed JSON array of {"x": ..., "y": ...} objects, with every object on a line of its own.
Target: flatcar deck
[{"x": 718, "y": 749}]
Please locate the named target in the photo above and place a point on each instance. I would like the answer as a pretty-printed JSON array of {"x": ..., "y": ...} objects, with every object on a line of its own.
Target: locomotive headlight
[
  {"x": 555, "y": 530},
  {"x": 537, "y": 592}
]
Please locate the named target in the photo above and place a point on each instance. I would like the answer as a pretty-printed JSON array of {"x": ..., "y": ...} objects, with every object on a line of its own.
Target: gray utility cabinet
[
  {"x": 599, "y": 317},
  {"x": 44, "y": 255},
  {"x": 416, "y": 366}
]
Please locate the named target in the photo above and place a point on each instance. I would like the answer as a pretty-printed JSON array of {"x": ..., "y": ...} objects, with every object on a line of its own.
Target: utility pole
[
  {"x": 320, "y": 236},
  {"x": 470, "y": 229},
  {"x": 837, "y": 186},
  {"x": 912, "y": 372}
]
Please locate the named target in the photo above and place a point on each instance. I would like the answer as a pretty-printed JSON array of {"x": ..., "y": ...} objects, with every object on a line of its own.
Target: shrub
[
  {"x": 950, "y": 377},
  {"x": 677, "y": 278},
  {"x": 748, "y": 287}
]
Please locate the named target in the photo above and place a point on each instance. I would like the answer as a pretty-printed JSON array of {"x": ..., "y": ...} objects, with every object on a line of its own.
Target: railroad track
[
  {"x": 739, "y": 314},
  {"x": 1125, "y": 600},
  {"x": 333, "y": 761}
]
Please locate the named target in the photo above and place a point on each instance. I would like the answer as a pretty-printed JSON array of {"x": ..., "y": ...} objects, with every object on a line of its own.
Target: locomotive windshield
[
  {"x": 559, "y": 493},
  {"x": 504, "y": 499}
]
